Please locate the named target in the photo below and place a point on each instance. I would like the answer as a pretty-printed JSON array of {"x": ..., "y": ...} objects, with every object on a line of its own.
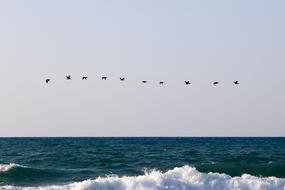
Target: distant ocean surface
[{"x": 142, "y": 163}]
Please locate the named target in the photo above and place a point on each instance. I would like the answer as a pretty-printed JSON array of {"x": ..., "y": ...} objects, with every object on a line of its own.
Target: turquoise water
[{"x": 44, "y": 162}]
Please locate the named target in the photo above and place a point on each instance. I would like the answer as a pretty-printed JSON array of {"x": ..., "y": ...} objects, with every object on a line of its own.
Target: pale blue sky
[{"x": 201, "y": 41}]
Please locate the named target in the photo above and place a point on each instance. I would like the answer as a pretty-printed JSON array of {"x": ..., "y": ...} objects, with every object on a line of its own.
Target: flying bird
[
  {"x": 84, "y": 78},
  {"x": 161, "y": 82},
  {"x": 122, "y": 79},
  {"x": 236, "y": 82},
  {"x": 187, "y": 82},
  {"x": 68, "y": 77},
  {"x": 104, "y": 78},
  {"x": 47, "y": 80},
  {"x": 144, "y": 81},
  {"x": 215, "y": 83}
]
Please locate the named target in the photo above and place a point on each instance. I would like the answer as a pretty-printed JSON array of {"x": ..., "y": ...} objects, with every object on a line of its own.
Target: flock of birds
[{"x": 68, "y": 77}]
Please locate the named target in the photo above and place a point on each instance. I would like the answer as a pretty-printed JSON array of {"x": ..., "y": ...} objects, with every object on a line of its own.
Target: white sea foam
[
  {"x": 183, "y": 178},
  {"x": 7, "y": 167}
]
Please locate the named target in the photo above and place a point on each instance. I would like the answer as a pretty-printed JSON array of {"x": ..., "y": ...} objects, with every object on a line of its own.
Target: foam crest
[
  {"x": 182, "y": 178},
  {"x": 7, "y": 167}
]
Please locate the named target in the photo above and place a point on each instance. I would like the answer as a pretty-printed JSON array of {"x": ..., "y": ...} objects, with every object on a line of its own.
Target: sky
[{"x": 201, "y": 41}]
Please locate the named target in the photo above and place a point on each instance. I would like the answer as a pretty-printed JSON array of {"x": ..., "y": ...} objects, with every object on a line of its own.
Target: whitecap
[
  {"x": 182, "y": 178},
  {"x": 7, "y": 167}
]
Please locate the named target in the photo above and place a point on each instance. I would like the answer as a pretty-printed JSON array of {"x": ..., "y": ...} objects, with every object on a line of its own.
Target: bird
[
  {"x": 104, "y": 78},
  {"x": 144, "y": 81},
  {"x": 68, "y": 77},
  {"x": 187, "y": 82},
  {"x": 236, "y": 82},
  {"x": 215, "y": 83},
  {"x": 84, "y": 78},
  {"x": 47, "y": 80},
  {"x": 122, "y": 79},
  {"x": 161, "y": 82}
]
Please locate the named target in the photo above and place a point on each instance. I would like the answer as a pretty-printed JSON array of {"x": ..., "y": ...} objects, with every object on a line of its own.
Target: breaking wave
[
  {"x": 7, "y": 167},
  {"x": 180, "y": 178}
]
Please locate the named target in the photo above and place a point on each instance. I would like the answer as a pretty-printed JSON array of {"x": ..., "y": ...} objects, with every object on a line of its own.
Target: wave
[
  {"x": 19, "y": 174},
  {"x": 7, "y": 167},
  {"x": 180, "y": 178}
]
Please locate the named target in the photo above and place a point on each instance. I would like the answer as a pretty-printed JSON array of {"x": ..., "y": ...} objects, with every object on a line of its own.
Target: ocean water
[{"x": 142, "y": 163}]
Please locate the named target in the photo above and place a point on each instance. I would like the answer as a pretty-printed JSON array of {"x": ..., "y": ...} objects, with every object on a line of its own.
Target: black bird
[
  {"x": 236, "y": 82},
  {"x": 161, "y": 82},
  {"x": 68, "y": 77},
  {"x": 144, "y": 81},
  {"x": 215, "y": 83},
  {"x": 122, "y": 79},
  {"x": 84, "y": 78},
  {"x": 104, "y": 78},
  {"x": 187, "y": 82},
  {"x": 47, "y": 80}
]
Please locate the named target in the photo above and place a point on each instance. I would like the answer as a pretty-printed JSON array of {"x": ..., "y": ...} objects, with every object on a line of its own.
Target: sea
[{"x": 132, "y": 163}]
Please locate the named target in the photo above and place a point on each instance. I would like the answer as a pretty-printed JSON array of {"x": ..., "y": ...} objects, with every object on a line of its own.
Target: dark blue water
[{"x": 49, "y": 161}]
